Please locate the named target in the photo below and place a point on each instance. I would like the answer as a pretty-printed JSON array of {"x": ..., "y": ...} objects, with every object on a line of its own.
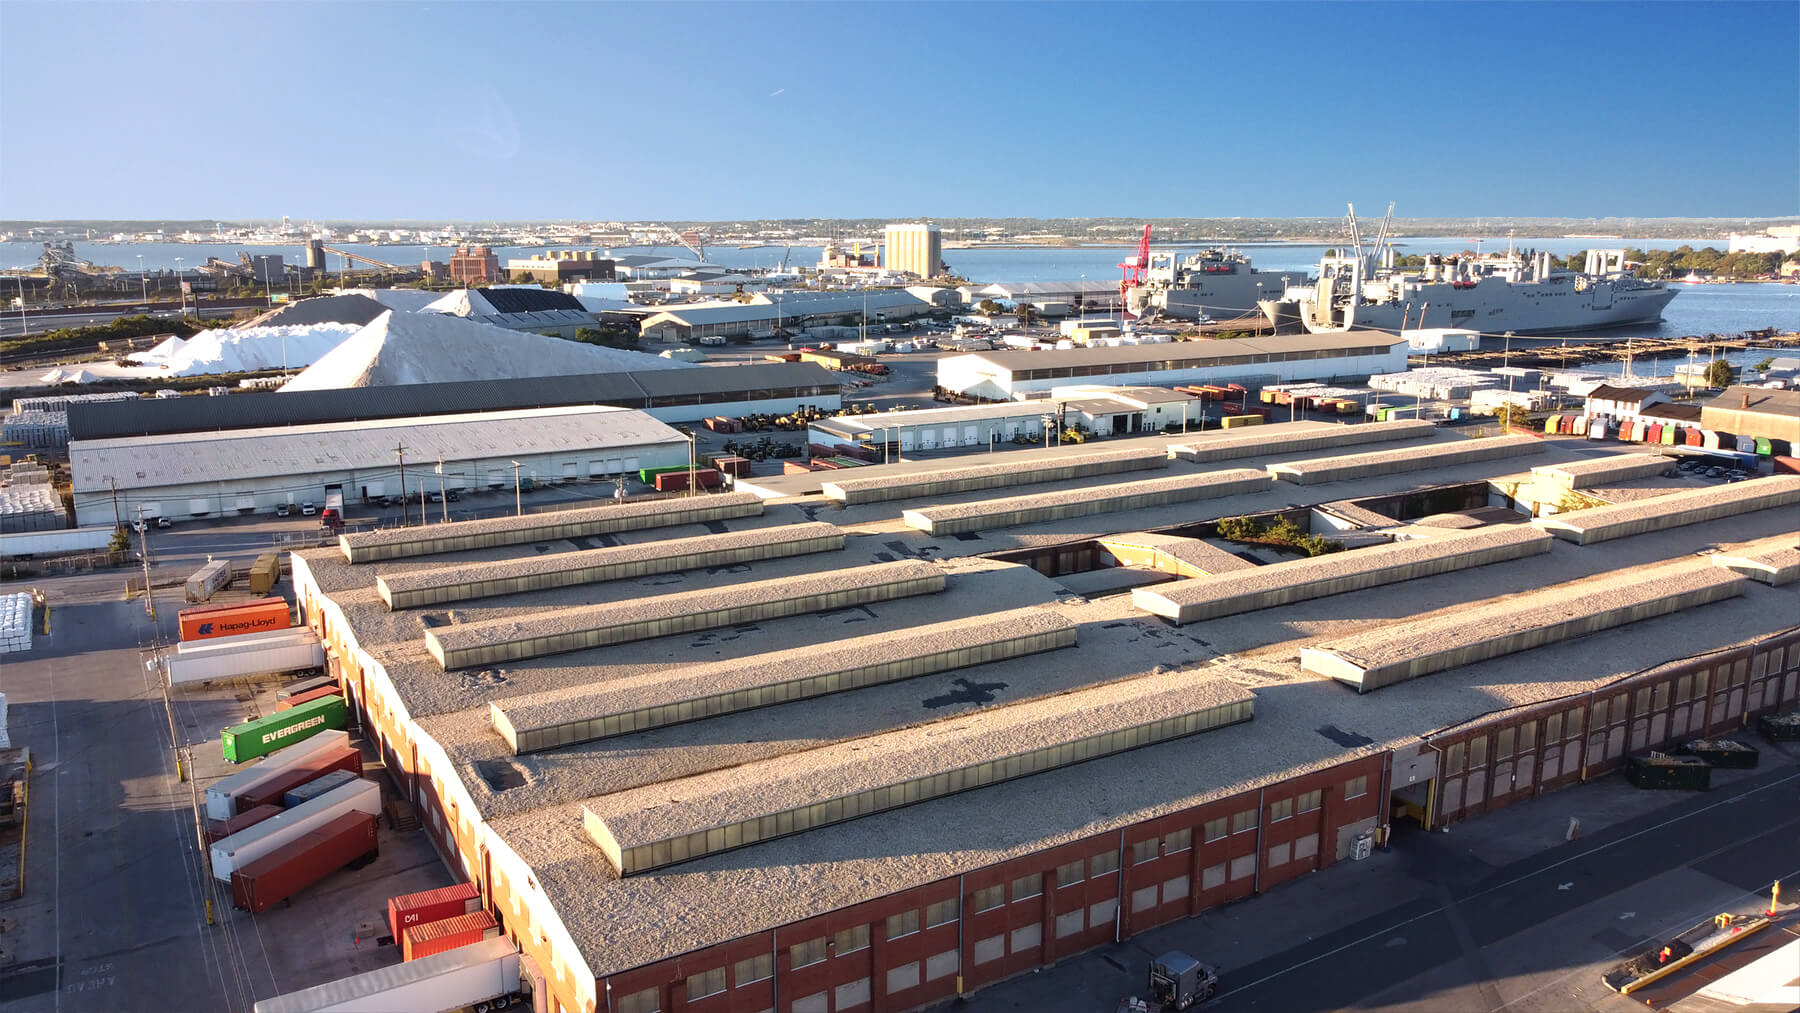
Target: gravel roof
[
  {"x": 1256, "y": 443},
  {"x": 1325, "y": 570},
  {"x": 568, "y": 566},
  {"x": 1770, "y": 560},
  {"x": 1678, "y": 508},
  {"x": 1494, "y": 621},
  {"x": 662, "y": 811},
  {"x": 536, "y": 527},
  {"x": 1601, "y": 470},
  {"x": 1006, "y": 471},
  {"x": 1327, "y": 469},
  {"x": 576, "y": 703},
  {"x": 580, "y": 619},
  {"x": 1219, "y": 483},
  {"x": 1195, "y": 552}
]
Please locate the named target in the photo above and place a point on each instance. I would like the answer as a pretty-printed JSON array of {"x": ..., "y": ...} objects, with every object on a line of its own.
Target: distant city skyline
[{"x": 546, "y": 112}]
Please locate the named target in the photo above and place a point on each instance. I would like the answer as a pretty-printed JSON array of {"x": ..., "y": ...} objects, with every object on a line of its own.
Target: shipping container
[
  {"x": 319, "y": 765},
  {"x": 241, "y": 617},
  {"x": 1763, "y": 448},
  {"x": 1785, "y": 465},
  {"x": 435, "y": 937},
  {"x": 259, "y": 885},
  {"x": 264, "y": 735},
  {"x": 1550, "y": 424},
  {"x": 304, "y": 793},
  {"x": 648, "y": 475},
  {"x": 1240, "y": 421},
  {"x": 482, "y": 976},
  {"x": 298, "y": 652},
  {"x": 675, "y": 481},
  {"x": 307, "y": 697},
  {"x": 265, "y": 573},
  {"x": 209, "y": 580},
  {"x": 294, "y": 689},
  {"x": 426, "y": 906},
  {"x": 222, "y": 795},
  {"x": 1692, "y": 437},
  {"x": 240, "y": 849},
  {"x": 218, "y": 830}
]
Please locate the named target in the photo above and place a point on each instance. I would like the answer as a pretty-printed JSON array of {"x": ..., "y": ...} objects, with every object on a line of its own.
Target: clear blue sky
[{"x": 662, "y": 110}]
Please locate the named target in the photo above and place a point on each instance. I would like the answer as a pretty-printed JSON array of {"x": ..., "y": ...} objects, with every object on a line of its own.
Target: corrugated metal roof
[
  {"x": 1225, "y": 347},
  {"x": 147, "y": 416},
  {"x": 175, "y": 459},
  {"x": 1761, "y": 399}
]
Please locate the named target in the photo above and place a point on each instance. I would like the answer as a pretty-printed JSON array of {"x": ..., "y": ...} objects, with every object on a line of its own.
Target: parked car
[
  {"x": 307, "y": 509},
  {"x": 453, "y": 496},
  {"x": 137, "y": 525},
  {"x": 1715, "y": 472},
  {"x": 282, "y": 509},
  {"x": 164, "y": 522}
]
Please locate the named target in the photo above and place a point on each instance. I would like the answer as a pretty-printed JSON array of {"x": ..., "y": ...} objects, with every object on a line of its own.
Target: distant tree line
[{"x": 1706, "y": 260}]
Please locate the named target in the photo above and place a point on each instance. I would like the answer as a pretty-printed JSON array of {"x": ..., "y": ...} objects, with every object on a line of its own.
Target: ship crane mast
[{"x": 1135, "y": 270}]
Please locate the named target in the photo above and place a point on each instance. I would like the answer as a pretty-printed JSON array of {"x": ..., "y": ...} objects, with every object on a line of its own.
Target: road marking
[
  {"x": 1565, "y": 886},
  {"x": 1628, "y": 914},
  {"x": 1501, "y": 886}
]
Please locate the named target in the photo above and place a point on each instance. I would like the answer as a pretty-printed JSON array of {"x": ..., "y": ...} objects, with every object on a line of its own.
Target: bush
[{"x": 1282, "y": 532}]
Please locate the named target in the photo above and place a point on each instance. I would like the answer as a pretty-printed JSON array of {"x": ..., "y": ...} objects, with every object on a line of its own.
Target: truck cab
[{"x": 1178, "y": 981}]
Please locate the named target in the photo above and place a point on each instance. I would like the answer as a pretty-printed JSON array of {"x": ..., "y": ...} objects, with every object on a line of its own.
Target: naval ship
[
  {"x": 1215, "y": 283},
  {"x": 1519, "y": 291}
]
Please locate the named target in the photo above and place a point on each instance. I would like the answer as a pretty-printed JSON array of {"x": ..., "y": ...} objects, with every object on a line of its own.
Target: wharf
[{"x": 1587, "y": 352}]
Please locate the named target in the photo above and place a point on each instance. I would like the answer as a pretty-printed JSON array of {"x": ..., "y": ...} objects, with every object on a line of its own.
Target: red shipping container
[
  {"x": 442, "y": 936},
  {"x": 427, "y": 906},
  {"x": 307, "y": 697},
  {"x": 348, "y": 758},
  {"x": 218, "y": 830},
  {"x": 675, "y": 481},
  {"x": 261, "y": 616},
  {"x": 1787, "y": 465},
  {"x": 278, "y": 875}
]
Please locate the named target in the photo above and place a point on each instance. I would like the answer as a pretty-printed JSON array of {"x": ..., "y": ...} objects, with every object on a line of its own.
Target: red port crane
[{"x": 1136, "y": 271}]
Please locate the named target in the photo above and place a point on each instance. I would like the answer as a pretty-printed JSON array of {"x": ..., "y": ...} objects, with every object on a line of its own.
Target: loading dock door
[
  {"x": 971, "y": 436},
  {"x": 568, "y": 471},
  {"x": 949, "y": 436}
]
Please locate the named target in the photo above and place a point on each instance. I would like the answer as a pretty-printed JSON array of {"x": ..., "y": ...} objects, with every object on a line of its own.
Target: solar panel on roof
[{"x": 528, "y": 300}]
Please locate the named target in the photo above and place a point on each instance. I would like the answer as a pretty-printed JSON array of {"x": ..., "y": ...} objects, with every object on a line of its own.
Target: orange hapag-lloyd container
[{"x": 261, "y": 616}]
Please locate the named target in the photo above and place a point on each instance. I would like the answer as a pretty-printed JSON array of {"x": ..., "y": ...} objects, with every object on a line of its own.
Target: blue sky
[{"x": 661, "y": 110}]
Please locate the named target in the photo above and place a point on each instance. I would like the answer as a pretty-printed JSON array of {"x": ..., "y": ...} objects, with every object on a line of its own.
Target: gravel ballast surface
[
  {"x": 1003, "y": 472},
  {"x": 1377, "y": 462},
  {"x": 1228, "y": 446},
  {"x": 1600, "y": 471},
  {"x": 1772, "y": 561},
  {"x": 1095, "y": 499},
  {"x": 424, "y": 540},
  {"x": 1673, "y": 510}
]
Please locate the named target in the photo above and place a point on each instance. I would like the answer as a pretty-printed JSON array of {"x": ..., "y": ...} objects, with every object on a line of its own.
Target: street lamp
[
  {"x": 518, "y": 503},
  {"x": 443, "y": 498},
  {"x": 143, "y": 280},
  {"x": 178, "y": 282}
]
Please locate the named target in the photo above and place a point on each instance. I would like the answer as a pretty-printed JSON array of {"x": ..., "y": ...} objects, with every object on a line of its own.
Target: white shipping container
[
  {"x": 246, "y": 641},
  {"x": 249, "y": 845},
  {"x": 215, "y": 576},
  {"x": 222, "y": 795},
  {"x": 289, "y": 656},
  {"x": 49, "y": 543},
  {"x": 450, "y": 980}
]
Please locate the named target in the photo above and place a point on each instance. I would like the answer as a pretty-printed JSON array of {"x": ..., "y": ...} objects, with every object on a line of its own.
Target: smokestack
[{"x": 1746, "y": 402}]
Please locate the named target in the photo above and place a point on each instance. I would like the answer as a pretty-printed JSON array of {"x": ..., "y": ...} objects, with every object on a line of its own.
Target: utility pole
[
  {"x": 400, "y": 453},
  {"x": 443, "y": 497},
  {"x": 518, "y": 503},
  {"x": 691, "y": 439},
  {"x": 144, "y": 553},
  {"x": 118, "y": 522}
]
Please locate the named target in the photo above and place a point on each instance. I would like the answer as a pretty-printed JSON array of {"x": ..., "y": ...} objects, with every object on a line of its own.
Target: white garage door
[{"x": 949, "y": 436}]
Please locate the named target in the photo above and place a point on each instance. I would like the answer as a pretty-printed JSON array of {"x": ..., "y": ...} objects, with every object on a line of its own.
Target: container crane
[{"x": 1136, "y": 269}]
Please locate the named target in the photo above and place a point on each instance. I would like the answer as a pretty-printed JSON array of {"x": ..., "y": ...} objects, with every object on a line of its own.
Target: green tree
[
  {"x": 1511, "y": 415},
  {"x": 121, "y": 541},
  {"x": 1026, "y": 314},
  {"x": 1765, "y": 365},
  {"x": 988, "y": 307},
  {"x": 1719, "y": 374}
]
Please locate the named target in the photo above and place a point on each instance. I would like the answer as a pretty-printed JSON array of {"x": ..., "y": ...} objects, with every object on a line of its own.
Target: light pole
[
  {"x": 443, "y": 497},
  {"x": 691, "y": 443},
  {"x": 178, "y": 287},
  {"x": 518, "y": 503},
  {"x": 143, "y": 280}
]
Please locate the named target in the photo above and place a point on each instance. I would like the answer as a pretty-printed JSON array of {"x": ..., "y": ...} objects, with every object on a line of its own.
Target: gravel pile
[
  {"x": 1387, "y": 462},
  {"x": 708, "y": 606},
  {"x": 1226, "y": 446},
  {"x": 1604, "y": 470},
  {"x": 662, "y": 811},
  {"x": 1030, "y": 471},
  {"x": 1691, "y": 506},
  {"x": 388, "y": 543},
  {"x": 580, "y": 703},
  {"x": 477, "y": 580}
]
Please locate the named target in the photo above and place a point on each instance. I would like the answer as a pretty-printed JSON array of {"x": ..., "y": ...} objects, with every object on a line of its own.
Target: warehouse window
[
  {"x": 1599, "y": 711},
  {"x": 1070, "y": 874},
  {"x": 1661, "y": 699},
  {"x": 1281, "y": 810},
  {"x": 854, "y": 938},
  {"x": 808, "y": 953},
  {"x": 647, "y": 1001},
  {"x": 903, "y": 924},
  {"x": 1278, "y": 855},
  {"x": 1212, "y": 877},
  {"x": 1527, "y": 737},
  {"x": 1553, "y": 728},
  {"x": 1309, "y": 800},
  {"x": 1684, "y": 688},
  {"x": 1356, "y": 787},
  {"x": 1105, "y": 863},
  {"x": 1503, "y": 744},
  {"x": 1175, "y": 889},
  {"x": 1641, "y": 701},
  {"x": 1028, "y": 886},
  {"x": 1243, "y": 867},
  {"x": 942, "y": 913},
  {"x": 706, "y": 983},
  {"x": 758, "y": 968},
  {"x": 1700, "y": 683},
  {"x": 1027, "y": 937},
  {"x": 1214, "y": 830},
  {"x": 1069, "y": 923},
  {"x": 1180, "y": 840},
  {"x": 1143, "y": 851},
  {"x": 990, "y": 897},
  {"x": 1572, "y": 726},
  {"x": 1243, "y": 821},
  {"x": 852, "y": 994},
  {"x": 1478, "y": 752}
]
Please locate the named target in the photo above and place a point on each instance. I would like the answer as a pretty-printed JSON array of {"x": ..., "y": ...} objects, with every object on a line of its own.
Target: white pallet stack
[{"x": 15, "y": 626}]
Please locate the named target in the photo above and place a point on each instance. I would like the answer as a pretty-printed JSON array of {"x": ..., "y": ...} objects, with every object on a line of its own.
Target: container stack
[
  {"x": 413, "y": 909},
  {"x": 38, "y": 430},
  {"x": 28, "y": 502},
  {"x": 448, "y": 934},
  {"x": 15, "y": 628}
]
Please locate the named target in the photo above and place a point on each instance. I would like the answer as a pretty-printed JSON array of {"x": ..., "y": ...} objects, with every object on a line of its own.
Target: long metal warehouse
[
  {"x": 1690, "y": 506},
  {"x": 573, "y": 629},
  {"x": 1387, "y": 462},
  {"x": 560, "y": 718},
  {"x": 1100, "y": 499},
  {"x": 592, "y": 566},
  {"x": 1188, "y": 601},
  {"x": 1407, "y": 650},
  {"x": 1231, "y": 445},
  {"x": 802, "y": 791},
  {"x": 1015, "y": 470},
  {"x": 462, "y": 536}
]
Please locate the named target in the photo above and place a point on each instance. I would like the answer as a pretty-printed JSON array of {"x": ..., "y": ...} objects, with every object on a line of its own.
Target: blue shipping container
[{"x": 316, "y": 787}]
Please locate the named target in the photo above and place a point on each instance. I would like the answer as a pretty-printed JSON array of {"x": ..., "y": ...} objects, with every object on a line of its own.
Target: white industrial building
[
  {"x": 1341, "y": 355},
  {"x": 1103, "y": 411},
  {"x": 242, "y": 471},
  {"x": 767, "y": 311}
]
